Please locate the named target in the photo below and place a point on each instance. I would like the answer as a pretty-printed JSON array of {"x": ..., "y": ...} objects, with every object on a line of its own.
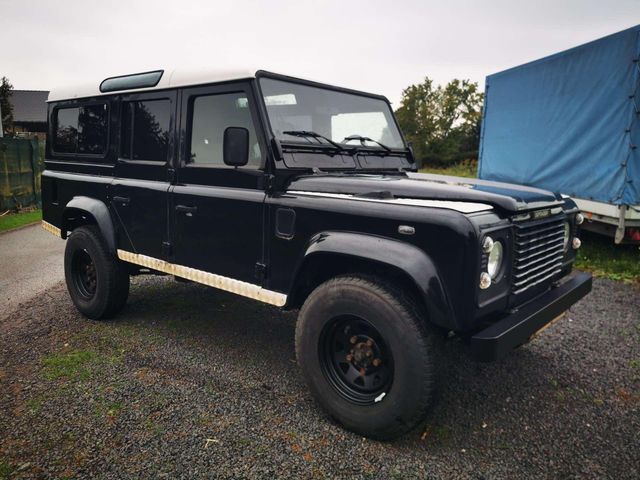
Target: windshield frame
[{"x": 372, "y": 150}]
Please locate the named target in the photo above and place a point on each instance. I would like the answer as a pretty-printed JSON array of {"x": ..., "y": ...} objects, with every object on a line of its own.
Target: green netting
[{"x": 21, "y": 163}]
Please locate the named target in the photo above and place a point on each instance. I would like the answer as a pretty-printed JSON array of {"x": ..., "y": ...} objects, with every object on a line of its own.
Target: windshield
[{"x": 295, "y": 110}]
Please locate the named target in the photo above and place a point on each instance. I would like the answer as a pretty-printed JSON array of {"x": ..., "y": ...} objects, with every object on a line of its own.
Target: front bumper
[{"x": 515, "y": 329}]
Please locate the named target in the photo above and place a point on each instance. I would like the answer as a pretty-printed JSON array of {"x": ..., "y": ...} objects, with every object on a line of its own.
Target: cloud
[{"x": 378, "y": 46}]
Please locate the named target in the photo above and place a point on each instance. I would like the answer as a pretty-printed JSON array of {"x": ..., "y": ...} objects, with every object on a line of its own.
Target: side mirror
[{"x": 235, "y": 146}]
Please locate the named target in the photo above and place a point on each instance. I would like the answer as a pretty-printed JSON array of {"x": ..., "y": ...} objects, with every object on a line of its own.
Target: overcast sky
[{"x": 378, "y": 46}]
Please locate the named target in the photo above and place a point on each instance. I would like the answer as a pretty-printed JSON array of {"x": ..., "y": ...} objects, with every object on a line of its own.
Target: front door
[
  {"x": 139, "y": 192},
  {"x": 217, "y": 209}
]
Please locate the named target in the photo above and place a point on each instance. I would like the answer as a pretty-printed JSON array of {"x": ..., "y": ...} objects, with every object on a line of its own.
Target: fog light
[
  {"x": 485, "y": 280},
  {"x": 575, "y": 243},
  {"x": 487, "y": 244},
  {"x": 579, "y": 219}
]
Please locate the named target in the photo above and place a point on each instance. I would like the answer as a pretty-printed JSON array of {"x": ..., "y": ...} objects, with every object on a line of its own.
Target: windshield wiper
[
  {"x": 365, "y": 139},
  {"x": 309, "y": 134}
]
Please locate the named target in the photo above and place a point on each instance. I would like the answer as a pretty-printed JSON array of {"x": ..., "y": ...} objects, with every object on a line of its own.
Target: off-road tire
[
  {"x": 402, "y": 326},
  {"x": 105, "y": 291}
]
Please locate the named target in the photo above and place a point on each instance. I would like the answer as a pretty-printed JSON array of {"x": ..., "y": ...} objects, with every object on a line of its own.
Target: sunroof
[{"x": 128, "y": 82}]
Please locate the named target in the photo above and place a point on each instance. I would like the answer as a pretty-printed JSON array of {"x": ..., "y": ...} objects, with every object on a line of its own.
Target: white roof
[{"x": 170, "y": 79}]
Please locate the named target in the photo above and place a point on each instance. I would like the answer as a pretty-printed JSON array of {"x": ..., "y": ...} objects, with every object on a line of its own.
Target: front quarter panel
[{"x": 442, "y": 254}]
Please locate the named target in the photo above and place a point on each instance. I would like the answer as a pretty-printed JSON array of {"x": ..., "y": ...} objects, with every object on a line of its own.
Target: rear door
[
  {"x": 218, "y": 210},
  {"x": 140, "y": 190}
]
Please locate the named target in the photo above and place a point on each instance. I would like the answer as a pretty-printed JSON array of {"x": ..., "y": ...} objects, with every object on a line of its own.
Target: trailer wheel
[
  {"x": 367, "y": 356},
  {"x": 96, "y": 280}
]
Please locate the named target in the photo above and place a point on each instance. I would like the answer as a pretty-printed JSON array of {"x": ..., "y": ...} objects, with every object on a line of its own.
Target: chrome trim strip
[
  {"x": 52, "y": 229},
  {"x": 527, "y": 273},
  {"x": 211, "y": 279},
  {"x": 536, "y": 275},
  {"x": 555, "y": 251},
  {"x": 463, "y": 207},
  {"x": 527, "y": 287}
]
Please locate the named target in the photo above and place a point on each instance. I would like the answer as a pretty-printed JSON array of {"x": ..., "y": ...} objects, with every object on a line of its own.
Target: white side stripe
[
  {"x": 463, "y": 207},
  {"x": 217, "y": 281}
]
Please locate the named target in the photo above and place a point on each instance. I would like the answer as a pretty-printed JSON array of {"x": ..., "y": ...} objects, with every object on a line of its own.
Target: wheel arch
[
  {"x": 330, "y": 254},
  {"x": 89, "y": 211}
]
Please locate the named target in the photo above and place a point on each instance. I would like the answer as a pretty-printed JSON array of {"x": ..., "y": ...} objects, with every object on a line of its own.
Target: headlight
[
  {"x": 567, "y": 235},
  {"x": 495, "y": 260}
]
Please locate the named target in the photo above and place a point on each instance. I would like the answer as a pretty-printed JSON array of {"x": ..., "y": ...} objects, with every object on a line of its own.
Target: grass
[
  {"x": 15, "y": 220},
  {"x": 603, "y": 258},
  {"x": 72, "y": 365},
  {"x": 598, "y": 254},
  {"x": 5, "y": 470}
]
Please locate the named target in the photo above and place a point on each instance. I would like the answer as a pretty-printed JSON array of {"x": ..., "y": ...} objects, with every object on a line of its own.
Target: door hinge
[
  {"x": 171, "y": 175},
  {"x": 261, "y": 271},
  {"x": 167, "y": 250}
]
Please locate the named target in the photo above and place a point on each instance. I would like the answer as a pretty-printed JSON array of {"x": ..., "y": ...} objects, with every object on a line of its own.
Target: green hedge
[{"x": 21, "y": 165}]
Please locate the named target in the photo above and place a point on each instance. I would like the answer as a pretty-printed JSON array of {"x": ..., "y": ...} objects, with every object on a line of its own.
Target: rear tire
[
  {"x": 97, "y": 281},
  {"x": 367, "y": 355}
]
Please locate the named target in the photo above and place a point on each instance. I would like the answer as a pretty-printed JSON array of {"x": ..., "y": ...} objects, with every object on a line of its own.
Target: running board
[{"x": 211, "y": 279}]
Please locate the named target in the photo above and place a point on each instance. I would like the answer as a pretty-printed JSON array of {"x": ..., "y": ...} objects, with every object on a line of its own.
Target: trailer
[{"x": 570, "y": 122}]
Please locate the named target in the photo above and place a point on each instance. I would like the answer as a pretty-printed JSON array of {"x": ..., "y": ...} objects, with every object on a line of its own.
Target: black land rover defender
[{"x": 304, "y": 196}]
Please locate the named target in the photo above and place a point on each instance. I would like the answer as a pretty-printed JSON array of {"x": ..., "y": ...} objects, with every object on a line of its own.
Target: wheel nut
[
  {"x": 369, "y": 353},
  {"x": 362, "y": 372},
  {"x": 349, "y": 358},
  {"x": 353, "y": 340},
  {"x": 377, "y": 362},
  {"x": 369, "y": 343}
]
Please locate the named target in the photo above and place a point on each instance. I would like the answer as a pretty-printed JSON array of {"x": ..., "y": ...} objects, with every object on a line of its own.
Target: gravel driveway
[{"x": 190, "y": 382}]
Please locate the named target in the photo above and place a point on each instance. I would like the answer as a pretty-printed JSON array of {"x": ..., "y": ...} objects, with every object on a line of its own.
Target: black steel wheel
[
  {"x": 98, "y": 283},
  {"x": 356, "y": 359},
  {"x": 367, "y": 355},
  {"x": 83, "y": 272}
]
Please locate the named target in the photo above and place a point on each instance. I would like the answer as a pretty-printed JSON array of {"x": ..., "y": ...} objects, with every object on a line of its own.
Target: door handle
[
  {"x": 188, "y": 209},
  {"x": 122, "y": 200}
]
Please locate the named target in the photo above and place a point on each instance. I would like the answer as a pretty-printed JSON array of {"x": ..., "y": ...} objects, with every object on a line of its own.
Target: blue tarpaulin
[{"x": 568, "y": 122}]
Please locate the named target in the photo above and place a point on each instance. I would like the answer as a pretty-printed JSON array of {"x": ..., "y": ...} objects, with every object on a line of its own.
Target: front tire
[
  {"x": 96, "y": 280},
  {"x": 367, "y": 356}
]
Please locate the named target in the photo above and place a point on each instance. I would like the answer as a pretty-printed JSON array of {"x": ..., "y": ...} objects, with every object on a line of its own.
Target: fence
[{"x": 21, "y": 163}]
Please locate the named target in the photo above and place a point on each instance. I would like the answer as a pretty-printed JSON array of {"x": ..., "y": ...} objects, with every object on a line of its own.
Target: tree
[
  {"x": 5, "y": 105},
  {"x": 442, "y": 123}
]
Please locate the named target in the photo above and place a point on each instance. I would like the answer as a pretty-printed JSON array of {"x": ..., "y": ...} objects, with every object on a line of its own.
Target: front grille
[{"x": 538, "y": 252}]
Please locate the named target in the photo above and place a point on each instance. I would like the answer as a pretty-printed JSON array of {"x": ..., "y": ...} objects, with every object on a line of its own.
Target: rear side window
[
  {"x": 66, "y": 138},
  {"x": 145, "y": 130},
  {"x": 81, "y": 130}
]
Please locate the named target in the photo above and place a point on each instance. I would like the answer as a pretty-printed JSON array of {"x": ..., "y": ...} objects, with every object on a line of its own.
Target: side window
[
  {"x": 81, "y": 130},
  {"x": 66, "y": 136},
  {"x": 145, "y": 130},
  {"x": 92, "y": 129},
  {"x": 211, "y": 115}
]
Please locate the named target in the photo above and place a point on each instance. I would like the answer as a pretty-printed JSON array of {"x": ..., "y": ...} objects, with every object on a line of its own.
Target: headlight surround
[
  {"x": 494, "y": 261},
  {"x": 567, "y": 235}
]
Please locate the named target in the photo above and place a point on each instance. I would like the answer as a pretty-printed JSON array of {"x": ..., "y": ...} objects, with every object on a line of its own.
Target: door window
[
  {"x": 145, "y": 130},
  {"x": 211, "y": 115}
]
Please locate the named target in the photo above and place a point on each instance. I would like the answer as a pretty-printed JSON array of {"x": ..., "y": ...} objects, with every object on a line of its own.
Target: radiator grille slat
[{"x": 538, "y": 252}]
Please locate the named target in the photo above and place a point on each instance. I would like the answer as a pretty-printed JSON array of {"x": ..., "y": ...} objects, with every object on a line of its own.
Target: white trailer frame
[{"x": 609, "y": 219}]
